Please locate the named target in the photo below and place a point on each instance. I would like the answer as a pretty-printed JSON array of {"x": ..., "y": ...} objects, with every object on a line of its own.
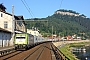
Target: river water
[{"x": 83, "y": 55}]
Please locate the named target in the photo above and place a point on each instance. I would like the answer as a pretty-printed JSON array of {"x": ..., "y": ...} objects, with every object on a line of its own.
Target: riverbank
[{"x": 66, "y": 49}]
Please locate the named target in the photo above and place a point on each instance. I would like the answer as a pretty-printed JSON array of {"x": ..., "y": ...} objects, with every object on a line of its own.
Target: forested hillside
[{"x": 63, "y": 24}]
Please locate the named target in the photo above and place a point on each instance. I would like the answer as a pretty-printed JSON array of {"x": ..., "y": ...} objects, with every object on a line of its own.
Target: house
[
  {"x": 20, "y": 24},
  {"x": 8, "y": 24},
  {"x": 36, "y": 33},
  {"x": 69, "y": 37},
  {"x": 33, "y": 32}
]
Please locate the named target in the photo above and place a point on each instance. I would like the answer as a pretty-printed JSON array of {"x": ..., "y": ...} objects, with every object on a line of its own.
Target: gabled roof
[
  {"x": 16, "y": 17},
  {"x": 5, "y": 12},
  {"x": 20, "y": 17}
]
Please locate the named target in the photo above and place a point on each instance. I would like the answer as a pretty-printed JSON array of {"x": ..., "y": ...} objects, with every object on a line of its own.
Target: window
[
  {"x": 5, "y": 24},
  {"x": 20, "y": 37},
  {"x": 1, "y": 15},
  {"x": 19, "y": 23},
  {"x": 34, "y": 32}
]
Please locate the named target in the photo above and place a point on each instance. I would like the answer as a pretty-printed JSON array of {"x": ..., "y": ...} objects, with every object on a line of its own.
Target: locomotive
[{"x": 25, "y": 40}]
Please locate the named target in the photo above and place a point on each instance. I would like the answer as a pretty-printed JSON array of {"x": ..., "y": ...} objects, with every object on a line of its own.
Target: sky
[{"x": 45, "y": 8}]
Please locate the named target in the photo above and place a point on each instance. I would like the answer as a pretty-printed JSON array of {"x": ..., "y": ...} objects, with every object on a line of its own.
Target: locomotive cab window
[{"x": 20, "y": 37}]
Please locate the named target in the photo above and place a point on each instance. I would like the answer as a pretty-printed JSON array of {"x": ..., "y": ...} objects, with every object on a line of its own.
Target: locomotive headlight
[
  {"x": 24, "y": 45},
  {"x": 16, "y": 45}
]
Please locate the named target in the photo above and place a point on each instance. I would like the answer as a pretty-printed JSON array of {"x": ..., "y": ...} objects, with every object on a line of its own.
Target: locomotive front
[{"x": 20, "y": 41}]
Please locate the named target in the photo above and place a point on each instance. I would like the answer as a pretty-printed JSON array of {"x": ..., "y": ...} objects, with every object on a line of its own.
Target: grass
[{"x": 66, "y": 51}]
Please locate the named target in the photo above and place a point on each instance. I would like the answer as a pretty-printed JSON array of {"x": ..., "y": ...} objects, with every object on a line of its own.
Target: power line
[
  {"x": 32, "y": 20},
  {"x": 61, "y": 3},
  {"x": 27, "y": 8}
]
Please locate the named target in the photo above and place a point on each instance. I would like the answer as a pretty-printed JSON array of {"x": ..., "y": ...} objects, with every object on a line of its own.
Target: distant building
[
  {"x": 36, "y": 33},
  {"x": 69, "y": 37},
  {"x": 78, "y": 38},
  {"x": 33, "y": 32}
]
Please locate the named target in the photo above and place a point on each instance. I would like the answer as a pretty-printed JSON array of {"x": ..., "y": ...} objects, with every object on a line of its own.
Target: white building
[
  {"x": 36, "y": 33},
  {"x": 33, "y": 32}
]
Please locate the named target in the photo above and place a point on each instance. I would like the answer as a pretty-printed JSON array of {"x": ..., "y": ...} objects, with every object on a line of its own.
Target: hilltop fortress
[{"x": 69, "y": 12}]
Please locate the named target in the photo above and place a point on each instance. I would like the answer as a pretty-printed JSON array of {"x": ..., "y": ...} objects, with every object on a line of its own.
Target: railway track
[
  {"x": 18, "y": 55},
  {"x": 43, "y": 53},
  {"x": 39, "y": 52},
  {"x": 24, "y": 55},
  {"x": 34, "y": 55},
  {"x": 10, "y": 55}
]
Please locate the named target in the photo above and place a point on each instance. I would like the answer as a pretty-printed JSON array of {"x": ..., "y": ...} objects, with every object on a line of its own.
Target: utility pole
[
  {"x": 55, "y": 35},
  {"x": 52, "y": 33},
  {"x": 13, "y": 25},
  {"x": 59, "y": 36}
]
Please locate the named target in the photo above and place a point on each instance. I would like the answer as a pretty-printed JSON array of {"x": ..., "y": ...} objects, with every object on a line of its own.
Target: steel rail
[
  {"x": 40, "y": 54},
  {"x": 31, "y": 53},
  {"x": 11, "y": 55}
]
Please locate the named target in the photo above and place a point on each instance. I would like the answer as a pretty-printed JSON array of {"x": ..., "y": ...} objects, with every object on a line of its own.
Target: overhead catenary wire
[
  {"x": 29, "y": 8},
  {"x": 61, "y": 3},
  {"x": 33, "y": 20},
  {"x": 26, "y": 8}
]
